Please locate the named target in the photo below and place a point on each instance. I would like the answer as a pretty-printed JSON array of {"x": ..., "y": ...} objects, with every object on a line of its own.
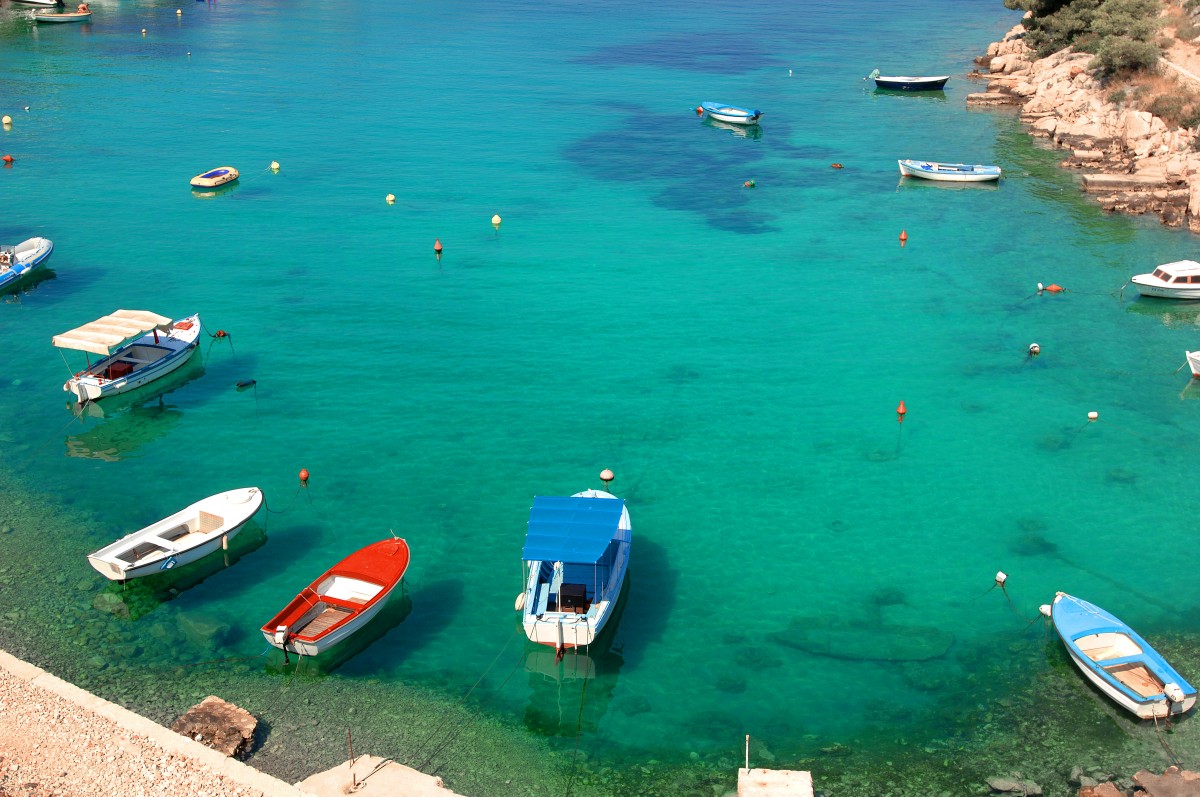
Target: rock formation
[
  {"x": 1132, "y": 161},
  {"x": 220, "y": 725}
]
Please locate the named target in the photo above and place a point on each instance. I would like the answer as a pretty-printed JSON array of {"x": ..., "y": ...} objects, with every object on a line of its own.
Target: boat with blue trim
[
  {"x": 18, "y": 262},
  {"x": 136, "y": 347},
  {"x": 731, "y": 113},
  {"x": 908, "y": 82},
  {"x": 576, "y": 555},
  {"x": 215, "y": 177},
  {"x": 1118, "y": 661},
  {"x": 949, "y": 172}
]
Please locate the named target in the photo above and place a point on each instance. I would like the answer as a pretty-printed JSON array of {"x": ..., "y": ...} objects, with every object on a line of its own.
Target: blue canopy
[{"x": 567, "y": 529}]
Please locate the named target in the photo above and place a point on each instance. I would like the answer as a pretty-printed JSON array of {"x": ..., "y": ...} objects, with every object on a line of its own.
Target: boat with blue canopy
[
  {"x": 576, "y": 553},
  {"x": 1118, "y": 661}
]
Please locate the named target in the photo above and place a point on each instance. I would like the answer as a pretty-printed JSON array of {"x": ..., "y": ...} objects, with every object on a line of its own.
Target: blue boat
[
  {"x": 576, "y": 553},
  {"x": 908, "y": 83},
  {"x": 1118, "y": 661},
  {"x": 730, "y": 113},
  {"x": 18, "y": 262}
]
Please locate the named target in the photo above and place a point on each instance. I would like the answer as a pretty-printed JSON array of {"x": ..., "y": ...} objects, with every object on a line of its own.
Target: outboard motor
[{"x": 1173, "y": 692}]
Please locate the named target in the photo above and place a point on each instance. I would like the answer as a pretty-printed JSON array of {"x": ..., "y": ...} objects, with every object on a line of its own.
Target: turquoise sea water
[{"x": 735, "y": 355}]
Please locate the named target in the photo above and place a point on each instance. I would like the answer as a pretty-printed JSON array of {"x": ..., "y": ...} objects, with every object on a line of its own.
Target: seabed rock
[{"x": 222, "y": 726}]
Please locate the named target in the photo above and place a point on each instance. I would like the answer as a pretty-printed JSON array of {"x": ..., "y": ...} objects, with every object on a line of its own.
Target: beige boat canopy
[{"x": 101, "y": 335}]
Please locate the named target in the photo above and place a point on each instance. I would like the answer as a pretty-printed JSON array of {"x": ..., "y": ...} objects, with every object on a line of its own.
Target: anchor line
[
  {"x": 454, "y": 733},
  {"x": 1174, "y": 758},
  {"x": 578, "y": 728}
]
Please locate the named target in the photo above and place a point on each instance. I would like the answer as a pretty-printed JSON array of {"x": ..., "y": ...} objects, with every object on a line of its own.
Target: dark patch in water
[
  {"x": 757, "y": 658},
  {"x": 731, "y": 684},
  {"x": 1033, "y": 544},
  {"x": 716, "y": 54},
  {"x": 888, "y": 596},
  {"x": 1121, "y": 476},
  {"x": 837, "y": 525},
  {"x": 681, "y": 374}
]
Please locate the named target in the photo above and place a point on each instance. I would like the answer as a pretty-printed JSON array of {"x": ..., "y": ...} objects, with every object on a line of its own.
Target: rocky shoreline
[{"x": 1132, "y": 162}]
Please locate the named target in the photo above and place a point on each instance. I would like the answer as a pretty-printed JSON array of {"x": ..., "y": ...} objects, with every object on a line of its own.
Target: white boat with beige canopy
[{"x": 136, "y": 347}]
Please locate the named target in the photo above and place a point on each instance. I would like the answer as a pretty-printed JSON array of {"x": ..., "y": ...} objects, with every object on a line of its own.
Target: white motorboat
[
  {"x": 731, "y": 113},
  {"x": 165, "y": 346},
  {"x": 577, "y": 552},
  {"x": 18, "y": 262},
  {"x": 1178, "y": 280},
  {"x": 949, "y": 172},
  {"x": 184, "y": 537}
]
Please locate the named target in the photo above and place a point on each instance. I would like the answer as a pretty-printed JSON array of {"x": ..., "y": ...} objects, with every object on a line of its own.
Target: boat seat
[
  {"x": 136, "y": 360},
  {"x": 541, "y": 598},
  {"x": 1108, "y": 663}
]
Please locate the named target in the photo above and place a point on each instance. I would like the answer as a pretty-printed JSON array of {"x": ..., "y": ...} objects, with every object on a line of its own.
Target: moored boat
[
  {"x": 19, "y": 261},
  {"x": 907, "y": 82},
  {"x": 215, "y": 177},
  {"x": 179, "y": 539},
  {"x": 576, "y": 553},
  {"x": 1178, "y": 280},
  {"x": 1118, "y": 661},
  {"x": 1193, "y": 361},
  {"x": 341, "y": 600},
  {"x": 65, "y": 16},
  {"x": 731, "y": 113},
  {"x": 164, "y": 348},
  {"x": 949, "y": 172}
]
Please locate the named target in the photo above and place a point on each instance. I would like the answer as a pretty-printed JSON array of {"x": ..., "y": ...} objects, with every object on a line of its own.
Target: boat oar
[{"x": 1180, "y": 368}]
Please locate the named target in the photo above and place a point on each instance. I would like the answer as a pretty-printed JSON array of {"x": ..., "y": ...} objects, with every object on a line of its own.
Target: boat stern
[{"x": 109, "y": 570}]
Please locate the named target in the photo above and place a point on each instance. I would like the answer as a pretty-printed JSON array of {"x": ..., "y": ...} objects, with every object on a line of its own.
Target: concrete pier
[{"x": 774, "y": 783}]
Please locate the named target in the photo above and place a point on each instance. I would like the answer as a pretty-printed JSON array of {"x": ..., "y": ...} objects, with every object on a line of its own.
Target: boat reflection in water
[
  {"x": 741, "y": 131},
  {"x": 128, "y": 421},
  {"x": 140, "y": 596},
  {"x": 13, "y": 291},
  {"x": 570, "y": 695},
  {"x": 397, "y": 609}
]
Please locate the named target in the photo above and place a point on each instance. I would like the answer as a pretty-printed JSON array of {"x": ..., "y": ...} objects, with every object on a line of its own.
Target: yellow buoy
[
  {"x": 179, "y": 12},
  {"x": 495, "y": 219},
  {"x": 390, "y": 198},
  {"x": 274, "y": 166},
  {"x": 7, "y": 120}
]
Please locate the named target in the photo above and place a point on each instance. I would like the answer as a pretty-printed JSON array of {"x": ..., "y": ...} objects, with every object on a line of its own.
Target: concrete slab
[
  {"x": 774, "y": 783},
  {"x": 372, "y": 775}
]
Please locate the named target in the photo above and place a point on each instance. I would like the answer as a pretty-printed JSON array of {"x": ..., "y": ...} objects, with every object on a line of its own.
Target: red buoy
[
  {"x": 900, "y": 413},
  {"x": 837, "y": 165},
  {"x": 699, "y": 111},
  {"x": 1054, "y": 288},
  {"x": 222, "y": 333},
  {"x": 7, "y": 159},
  {"x": 304, "y": 477},
  {"x": 903, "y": 236}
]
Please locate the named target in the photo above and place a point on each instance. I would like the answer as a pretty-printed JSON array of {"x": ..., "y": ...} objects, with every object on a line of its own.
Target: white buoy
[
  {"x": 1001, "y": 577},
  {"x": 274, "y": 166},
  {"x": 1045, "y": 609},
  {"x": 1093, "y": 415},
  {"x": 496, "y": 220},
  {"x": 179, "y": 12},
  {"x": 224, "y": 542},
  {"x": 519, "y": 603},
  {"x": 390, "y": 198},
  {"x": 789, "y": 73},
  {"x": 606, "y": 476},
  {"x": 143, "y": 31},
  {"x": 1041, "y": 287},
  {"x": 1034, "y": 349},
  {"x": 7, "y": 120},
  {"x": 27, "y": 107}
]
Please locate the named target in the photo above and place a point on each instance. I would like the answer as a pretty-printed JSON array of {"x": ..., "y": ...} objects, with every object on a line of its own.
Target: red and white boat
[{"x": 341, "y": 601}]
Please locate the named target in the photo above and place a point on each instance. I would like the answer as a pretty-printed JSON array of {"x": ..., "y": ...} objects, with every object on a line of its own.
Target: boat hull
[
  {"x": 71, "y": 17},
  {"x": 305, "y": 647},
  {"x": 1148, "y": 286},
  {"x": 236, "y": 508},
  {"x": 949, "y": 172},
  {"x": 92, "y": 385},
  {"x": 24, "y": 259},
  {"x": 1193, "y": 360},
  {"x": 566, "y": 630},
  {"x": 214, "y": 178},
  {"x": 912, "y": 83},
  {"x": 731, "y": 113},
  {"x": 1118, "y": 661}
]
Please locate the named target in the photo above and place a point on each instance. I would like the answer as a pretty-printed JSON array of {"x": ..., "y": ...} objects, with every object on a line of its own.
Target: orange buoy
[
  {"x": 903, "y": 236},
  {"x": 836, "y": 165},
  {"x": 7, "y": 159},
  {"x": 699, "y": 111},
  {"x": 222, "y": 333},
  {"x": 1054, "y": 288},
  {"x": 901, "y": 411},
  {"x": 304, "y": 477},
  {"x": 437, "y": 245}
]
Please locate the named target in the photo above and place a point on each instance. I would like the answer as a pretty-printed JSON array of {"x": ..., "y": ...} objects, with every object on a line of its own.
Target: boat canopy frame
[{"x": 571, "y": 529}]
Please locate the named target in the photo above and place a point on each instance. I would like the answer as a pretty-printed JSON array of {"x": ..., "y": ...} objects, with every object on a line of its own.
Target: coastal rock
[
  {"x": 1026, "y": 788},
  {"x": 1097, "y": 183},
  {"x": 1101, "y": 790},
  {"x": 219, "y": 725},
  {"x": 992, "y": 98},
  {"x": 1172, "y": 783}
]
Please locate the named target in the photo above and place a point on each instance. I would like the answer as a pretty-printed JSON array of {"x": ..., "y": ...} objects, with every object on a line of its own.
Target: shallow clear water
[{"x": 735, "y": 355}]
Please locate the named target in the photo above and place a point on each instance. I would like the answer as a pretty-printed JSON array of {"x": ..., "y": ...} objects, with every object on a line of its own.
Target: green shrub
[
  {"x": 1117, "y": 97},
  {"x": 1121, "y": 33},
  {"x": 1123, "y": 55},
  {"x": 1187, "y": 29}
]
